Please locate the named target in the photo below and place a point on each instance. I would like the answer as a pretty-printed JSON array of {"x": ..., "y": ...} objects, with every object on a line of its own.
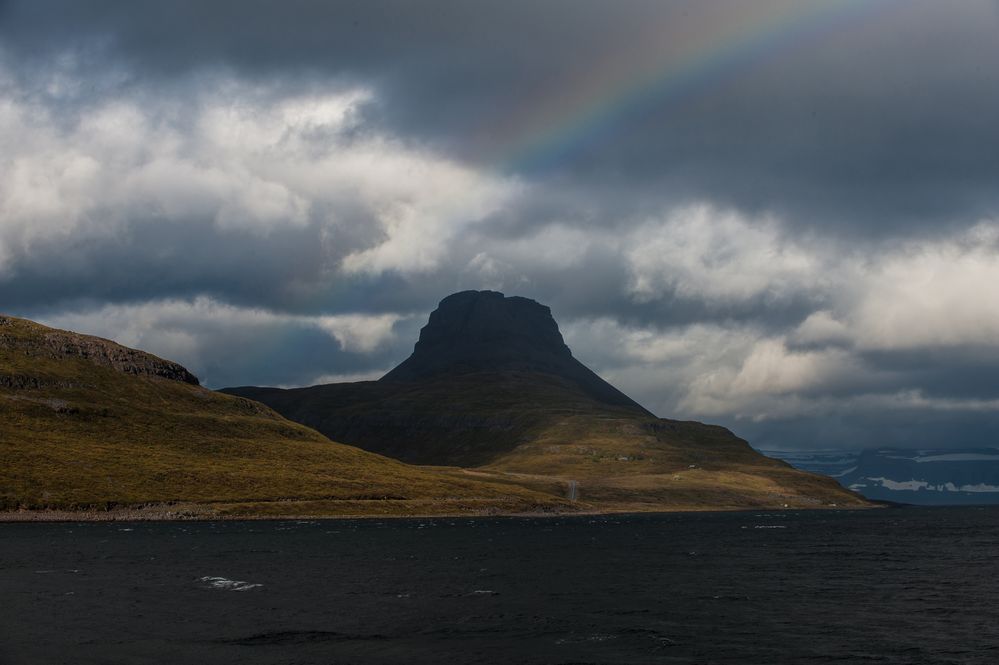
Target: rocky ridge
[{"x": 59, "y": 344}]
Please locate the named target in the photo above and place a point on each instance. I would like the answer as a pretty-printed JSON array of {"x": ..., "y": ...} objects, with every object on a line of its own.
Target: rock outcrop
[
  {"x": 58, "y": 344},
  {"x": 485, "y": 331}
]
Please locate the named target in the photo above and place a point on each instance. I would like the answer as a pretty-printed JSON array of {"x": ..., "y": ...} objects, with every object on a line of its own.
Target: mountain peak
[{"x": 486, "y": 331}]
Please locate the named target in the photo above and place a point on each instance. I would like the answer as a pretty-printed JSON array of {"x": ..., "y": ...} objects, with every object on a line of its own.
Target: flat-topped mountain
[
  {"x": 484, "y": 331},
  {"x": 88, "y": 424},
  {"x": 491, "y": 386}
]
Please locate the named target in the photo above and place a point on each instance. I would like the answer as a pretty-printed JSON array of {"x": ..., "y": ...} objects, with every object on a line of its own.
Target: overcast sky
[{"x": 781, "y": 216}]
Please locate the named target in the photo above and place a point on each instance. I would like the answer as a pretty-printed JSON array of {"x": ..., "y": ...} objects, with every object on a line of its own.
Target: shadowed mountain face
[
  {"x": 484, "y": 331},
  {"x": 491, "y": 385}
]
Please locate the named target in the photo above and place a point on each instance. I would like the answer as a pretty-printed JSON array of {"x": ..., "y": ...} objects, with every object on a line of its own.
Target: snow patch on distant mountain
[
  {"x": 926, "y": 477},
  {"x": 914, "y": 485},
  {"x": 960, "y": 457}
]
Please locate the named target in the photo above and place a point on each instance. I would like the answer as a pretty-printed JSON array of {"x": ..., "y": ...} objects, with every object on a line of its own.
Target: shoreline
[{"x": 166, "y": 515}]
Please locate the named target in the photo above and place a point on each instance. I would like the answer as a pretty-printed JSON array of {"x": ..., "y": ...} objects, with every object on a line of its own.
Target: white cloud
[
  {"x": 930, "y": 294},
  {"x": 236, "y": 157},
  {"x": 360, "y": 333},
  {"x": 701, "y": 252},
  {"x": 171, "y": 328},
  {"x": 821, "y": 328},
  {"x": 430, "y": 202},
  {"x": 926, "y": 294},
  {"x": 768, "y": 376}
]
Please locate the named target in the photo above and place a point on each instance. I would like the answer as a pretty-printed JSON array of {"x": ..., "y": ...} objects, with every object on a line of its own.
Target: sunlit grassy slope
[
  {"x": 539, "y": 431},
  {"x": 87, "y": 424}
]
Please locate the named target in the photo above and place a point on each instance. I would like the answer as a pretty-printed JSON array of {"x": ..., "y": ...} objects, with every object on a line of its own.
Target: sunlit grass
[{"x": 90, "y": 437}]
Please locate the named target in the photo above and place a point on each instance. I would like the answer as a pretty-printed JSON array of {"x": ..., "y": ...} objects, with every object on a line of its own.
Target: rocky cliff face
[
  {"x": 32, "y": 340},
  {"x": 485, "y": 331}
]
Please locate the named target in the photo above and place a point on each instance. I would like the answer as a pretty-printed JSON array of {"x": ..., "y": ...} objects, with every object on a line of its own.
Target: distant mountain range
[
  {"x": 947, "y": 476},
  {"x": 492, "y": 386}
]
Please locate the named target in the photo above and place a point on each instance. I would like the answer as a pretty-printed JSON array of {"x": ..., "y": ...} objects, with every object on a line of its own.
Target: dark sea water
[{"x": 916, "y": 585}]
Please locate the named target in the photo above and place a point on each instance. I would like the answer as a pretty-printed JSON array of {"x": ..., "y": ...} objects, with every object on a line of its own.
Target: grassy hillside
[
  {"x": 88, "y": 424},
  {"x": 539, "y": 431}
]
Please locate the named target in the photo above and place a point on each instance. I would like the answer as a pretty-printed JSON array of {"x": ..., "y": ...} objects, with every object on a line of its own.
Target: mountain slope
[
  {"x": 86, "y": 423},
  {"x": 492, "y": 385}
]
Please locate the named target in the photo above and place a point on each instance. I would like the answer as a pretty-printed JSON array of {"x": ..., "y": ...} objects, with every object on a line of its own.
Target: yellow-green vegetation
[
  {"x": 87, "y": 424},
  {"x": 541, "y": 432},
  {"x": 631, "y": 463}
]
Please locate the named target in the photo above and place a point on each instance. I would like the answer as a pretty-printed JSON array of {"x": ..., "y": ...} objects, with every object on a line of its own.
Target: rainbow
[{"x": 647, "y": 74}]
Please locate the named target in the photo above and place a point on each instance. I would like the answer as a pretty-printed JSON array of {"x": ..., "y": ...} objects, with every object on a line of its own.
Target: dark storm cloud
[
  {"x": 877, "y": 125},
  {"x": 228, "y": 356},
  {"x": 912, "y": 428},
  {"x": 966, "y": 373},
  {"x": 158, "y": 258}
]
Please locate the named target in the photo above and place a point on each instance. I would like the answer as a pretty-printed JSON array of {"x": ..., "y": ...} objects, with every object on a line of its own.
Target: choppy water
[{"x": 888, "y": 586}]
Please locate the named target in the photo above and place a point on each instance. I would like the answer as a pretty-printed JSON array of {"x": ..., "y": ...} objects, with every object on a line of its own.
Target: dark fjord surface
[{"x": 908, "y": 585}]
